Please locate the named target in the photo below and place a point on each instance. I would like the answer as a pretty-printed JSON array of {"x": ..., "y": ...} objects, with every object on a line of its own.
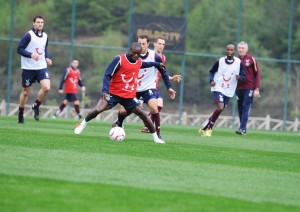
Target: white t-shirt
[
  {"x": 225, "y": 77},
  {"x": 36, "y": 45},
  {"x": 147, "y": 76}
]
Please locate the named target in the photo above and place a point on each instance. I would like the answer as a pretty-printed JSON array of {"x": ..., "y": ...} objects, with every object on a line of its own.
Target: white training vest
[
  {"x": 147, "y": 76},
  {"x": 225, "y": 77},
  {"x": 36, "y": 45}
]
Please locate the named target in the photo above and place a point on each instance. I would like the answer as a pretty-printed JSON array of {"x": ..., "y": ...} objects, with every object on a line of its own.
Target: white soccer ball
[{"x": 117, "y": 134}]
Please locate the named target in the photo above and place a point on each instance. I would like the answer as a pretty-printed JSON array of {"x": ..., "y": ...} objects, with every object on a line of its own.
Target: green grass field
[{"x": 45, "y": 167}]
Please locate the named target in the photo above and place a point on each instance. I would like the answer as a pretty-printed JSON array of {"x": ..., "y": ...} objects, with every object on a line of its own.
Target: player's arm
[
  {"x": 242, "y": 73},
  {"x": 47, "y": 55},
  {"x": 81, "y": 84},
  {"x": 62, "y": 80},
  {"x": 151, "y": 64},
  {"x": 212, "y": 72},
  {"x": 164, "y": 74},
  {"x": 112, "y": 68},
  {"x": 256, "y": 73},
  {"x": 23, "y": 44}
]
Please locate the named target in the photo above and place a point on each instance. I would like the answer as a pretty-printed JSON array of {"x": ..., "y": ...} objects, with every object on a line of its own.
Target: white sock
[
  {"x": 154, "y": 136},
  {"x": 83, "y": 123}
]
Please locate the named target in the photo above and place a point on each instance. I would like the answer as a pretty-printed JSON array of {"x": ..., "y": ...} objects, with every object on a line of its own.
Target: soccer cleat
[
  {"x": 79, "y": 116},
  {"x": 21, "y": 120},
  {"x": 159, "y": 141},
  {"x": 79, "y": 129},
  {"x": 145, "y": 130},
  {"x": 208, "y": 133},
  {"x": 36, "y": 113},
  {"x": 55, "y": 117},
  {"x": 202, "y": 132},
  {"x": 240, "y": 132},
  {"x": 117, "y": 124}
]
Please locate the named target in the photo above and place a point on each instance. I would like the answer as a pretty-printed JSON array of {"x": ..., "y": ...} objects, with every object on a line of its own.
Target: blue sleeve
[
  {"x": 163, "y": 72},
  {"x": 47, "y": 55},
  {"x": 213, "y": 70},
  {"x": 112, "y": 68},
  {"x": 165, "y": 77},
  {"x": 63, "y": 79},
  {"x": 150, "y": 64},
  {"x": 80, "y": 82},
  {"x": 242, "y": 72},
  {"x": 23, "y": 44}
]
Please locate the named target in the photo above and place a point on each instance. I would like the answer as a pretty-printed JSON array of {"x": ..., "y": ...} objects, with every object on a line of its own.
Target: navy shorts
[
  {"x": 71, "y": 97},
  {"x": 32, "y": 76},
  {"x": 221, "y": 98},
  {"x": 147, "y": 95},
  {"x": 128, "y": 104},
  {"x": 158, "y": 95}
]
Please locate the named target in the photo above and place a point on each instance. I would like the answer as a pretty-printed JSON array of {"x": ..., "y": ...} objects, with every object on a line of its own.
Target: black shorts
[{"x": 128, "y": 104}]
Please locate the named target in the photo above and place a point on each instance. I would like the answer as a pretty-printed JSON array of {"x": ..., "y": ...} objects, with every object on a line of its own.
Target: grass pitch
[{"x": 45, "y": 167}]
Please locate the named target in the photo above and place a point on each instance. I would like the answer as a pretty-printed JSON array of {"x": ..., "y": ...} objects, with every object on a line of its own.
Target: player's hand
[
  {"x": 172, "y": 93},
  {"x": 49, "y": 61},
  {"x": 35, "y": 56},
  {"x": 256, "y": 93},
  {"x": 162, "y": 65},
  {"x": 237, "y": 77},
  {"x": 105, "y": 96},
  {"x": 213, "y": 84},
  {"x": 83, "y": 89},
  {"x": 60, "y": 91},
  {"x": 175, "y": 78}
]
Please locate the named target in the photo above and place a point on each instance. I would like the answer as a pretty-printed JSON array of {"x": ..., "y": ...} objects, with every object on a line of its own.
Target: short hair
[
  {"x": 142, "y": 36},
  {"x": 156, "y": 39},
  {"x": 38, "y": 16},
  {"x": 243, "y": 43}
]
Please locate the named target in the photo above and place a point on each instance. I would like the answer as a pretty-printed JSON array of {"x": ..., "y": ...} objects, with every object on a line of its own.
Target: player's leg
[
  {"x": 145, "y": 128},
  {"x": 160, "y": 103},
  {"x": 122, "y": 114},
  {"x": 77, "y": 108},
  {"x": 159, "y": 107},
  {"x": 62, "y": 105},
  {"x": 27, "y": 80},
  {"x": 148, "y": 123},
  {"x": 102, "y": 105},
  {"x": 44, "y": 79},
  {"x": 221, "y": 102},
  {"x": 246, "y": 109},
  {"x": 155, "y": 117},
  {"x": 22, "y": 101},
  {"x": 240, "y": 100}
]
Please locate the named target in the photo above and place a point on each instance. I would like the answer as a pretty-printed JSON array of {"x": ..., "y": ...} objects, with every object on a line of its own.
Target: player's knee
[
  {"x": 26, "y": 92},
  {"x": 123, "y": 112},
  {"x": 46, "y": 89},
  {"x": 220, "y": 107}
]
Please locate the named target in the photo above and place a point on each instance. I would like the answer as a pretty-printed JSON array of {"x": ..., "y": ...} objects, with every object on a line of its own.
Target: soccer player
[
  {"x": 248, "y": 88},
  {"x": 159, "y": 45},
  {"x": 146, "y": 89},
  {"x": 223, "y": 78},
  {"x": 71, "y": 79},
  {"x": 119, "y": 86},
  {"x": 34, "y": 60}
]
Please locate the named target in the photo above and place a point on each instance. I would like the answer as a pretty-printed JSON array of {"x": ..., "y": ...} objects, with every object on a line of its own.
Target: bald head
[
  {"x": 230, "y": 51},
  {"x": 135, "y": 51},
  {"x": 135, "y": 46}
]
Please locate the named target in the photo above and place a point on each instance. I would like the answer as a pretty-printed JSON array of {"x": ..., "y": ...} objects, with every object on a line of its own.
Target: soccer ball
[{"x": 117, "y": 134}]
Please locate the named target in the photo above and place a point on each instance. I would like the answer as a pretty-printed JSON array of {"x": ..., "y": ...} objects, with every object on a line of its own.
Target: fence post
[
  {"x": 184, "y": 118},
  {"x": 3, "y": 108},
  {"x": 268, "y": 122},
  {"x": 296, "y": 124}
]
